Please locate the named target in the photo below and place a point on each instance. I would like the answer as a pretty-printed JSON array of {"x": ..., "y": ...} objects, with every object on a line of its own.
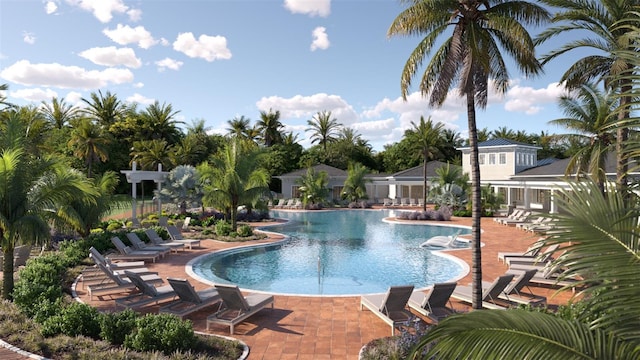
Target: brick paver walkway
[{"x": 301, "y": 327}]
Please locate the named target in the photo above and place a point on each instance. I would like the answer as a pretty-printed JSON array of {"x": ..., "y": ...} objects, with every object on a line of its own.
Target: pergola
[{"x": 135, "y": 176}]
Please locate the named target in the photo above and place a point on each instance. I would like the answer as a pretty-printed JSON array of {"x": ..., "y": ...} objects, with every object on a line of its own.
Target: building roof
[
  {"x": 501, "y": 142},
  {"x": 558, "y": 168},
  {"x": 330, "y": 170},
  {"x": 416, "y": 171}
]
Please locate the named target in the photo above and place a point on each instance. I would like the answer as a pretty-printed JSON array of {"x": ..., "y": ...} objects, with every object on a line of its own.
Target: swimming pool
[{"x": 344, "y": 252}]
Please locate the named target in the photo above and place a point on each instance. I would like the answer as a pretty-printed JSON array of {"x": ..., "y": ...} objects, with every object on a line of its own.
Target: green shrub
[
  {"x": 74, "y": 251},
  {"x": 73, "y": 320},
  {"x": 163, "y": 332},
  {"x": 40, "y": 282},
  {"x": 245, "y": 230},
  {"x": 114, "y": 327},
  {"x": 113, "y": 226},
  {"x": 207, "y": 232},
  {"x": 223, "y": 228}
]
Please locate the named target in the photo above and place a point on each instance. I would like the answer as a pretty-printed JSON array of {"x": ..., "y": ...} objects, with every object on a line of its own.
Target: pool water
[{"x": 344, "y": 252}]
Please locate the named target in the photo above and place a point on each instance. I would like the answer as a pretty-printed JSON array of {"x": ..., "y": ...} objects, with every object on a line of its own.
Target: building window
[
  {"x": 503, "y": 158},
  {"x": 481, "y": 159},
  {"x": 492, "y": 159},
  {"x": 337, "y": 192},
  {"x": 295, "y": 191}
]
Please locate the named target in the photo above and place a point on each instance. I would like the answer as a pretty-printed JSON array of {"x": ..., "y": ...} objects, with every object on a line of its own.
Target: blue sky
[{"x": 219, "y": 59}]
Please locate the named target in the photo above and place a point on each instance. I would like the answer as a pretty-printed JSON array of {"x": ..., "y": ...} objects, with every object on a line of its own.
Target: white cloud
[
  {"x": 138, "y": 85},
  {"x": 74, "y": 98},
  {"x": 312, "y": 8},
  {"x": 307, "y": 106},
  {"x": 50, "y": 7},
  {"x": 205, "y": 47},
  {"x": 61, "y": 76},
  {"x": 168, "y": 63},
  {"x": 137, "y": 98},
  {"x": 112, "y": 56},
  {"x": 102, "y": 9},
  {"x": 29, "y": 38},
  {"x": 320, "y": 39},
  {"x": 125, "y": 34},
  {"x": 529, "y": 100},
  {"x": 135, "y": 15},
  {"x": 34, "y": 95}
]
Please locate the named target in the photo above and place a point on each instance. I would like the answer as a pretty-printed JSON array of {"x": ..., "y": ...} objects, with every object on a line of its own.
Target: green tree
[
  {"x": 82, "y": 216},
  {"x": 182, "y": 187},
  {"x": 313, "y": 188},
  {"x": 233, "y": 179},
  {"x": 238, "y": 127},
  {"x": 270, "y": 127},
  {"x": 59, "y": 113},
  {"x": 607, "y": 329},
  {"x": 89, "y": 143},
  {"x": 468, "y": 59},
  {"x": 150, "y": 153},
  {"x": 355, "y": 186},
  {"x": 105, "y": 109},
  {"x": 31, "y": 188},
  {"x": 425, "y": 138},
  {"x": 160, "y": 123},
  {"x": 601, "y": 20},
  {"x": 323, "y": 128},
  {"x": 590, "y": 118}
]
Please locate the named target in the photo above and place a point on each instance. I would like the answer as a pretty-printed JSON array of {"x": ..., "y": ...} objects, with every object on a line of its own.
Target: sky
[{"x": 216, "y": 60}]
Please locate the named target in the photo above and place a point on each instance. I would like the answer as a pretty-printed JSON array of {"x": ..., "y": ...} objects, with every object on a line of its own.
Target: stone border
[{"x": 17, "y": 350}]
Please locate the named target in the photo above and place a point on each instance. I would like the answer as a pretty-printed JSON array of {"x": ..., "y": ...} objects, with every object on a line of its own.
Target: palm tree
[
  {"x": 270, "y": 127},
  {"x": 150, "y": 153},
  {"x": 3, "y": 98},
  {"x": 31, "y": 190},
  {"x": 238, "y": 127},
  {"x": 89, "y": 143},
  {"x": 59, "y": 113},
  {"x": 323, "y": 128},
  {"x": 600, "y": 19},
  {"x": 233, "y": 179},
  {"x": 161, "y": 122},
  {"x": 82, "y": 216},
  {"x": 590, "y": 115},
  {"x": 503, "y": 133},
  {"x": 425, "y": 138},
  {"x": 105, "y": 109},
  {"x": 355, "y": 186},
  {"x": 606, "y": 327},
  {"x": 468, "y": 59},
  {"x": 451, "y": 141},
  {"x": 313, "y": 188}
]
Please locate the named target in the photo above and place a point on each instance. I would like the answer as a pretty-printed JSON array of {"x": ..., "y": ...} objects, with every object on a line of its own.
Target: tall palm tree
[
  {"x": 590, "y": 115},
  {"x": 608, "y": 326},
  {"x": 150, "y": 153},
  {"x": 503, "y": 132},
  {"x": 31, "y": 190},
  {"x": 599, "y": 19},
  {"x": 162, "y": 123},
  {"x": 59, "y": 113},
  {"x": 89, "y": 143},
  {"x": 451, "y": 141},
  {"x": 426, "y": 138},
  {"x": 468, "y": 59},
  {"x": 106, "y": 109},
  {"x": 323, "y": 128},
  {"x": 270, "y": 127},
  {"x": 233, "y": 179},
  {"x": 3, "y": 97},
  {"x": 238, "y": 127}
]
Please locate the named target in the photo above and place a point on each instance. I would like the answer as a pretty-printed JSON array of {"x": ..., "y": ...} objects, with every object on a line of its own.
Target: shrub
[
  {"x": 114, "y": 327},
  {"x": 40, "y": 282},
  {"x": 245, "y": 230},
  {"x": 223, "y": 228},
  {"x": 74, "y": 251},
  {"x": 73, "y": 320},
  {"x": 163, "y": 332},
  {"x": 114, "y": 225}
]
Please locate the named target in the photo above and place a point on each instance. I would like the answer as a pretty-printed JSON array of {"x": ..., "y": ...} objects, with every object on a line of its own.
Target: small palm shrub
[
  {"x": 114, "y": 327},
  {"x": 245, "y": 230},
  {"x": 223, "y": 228},
  {"x": 73, "y": 320}
]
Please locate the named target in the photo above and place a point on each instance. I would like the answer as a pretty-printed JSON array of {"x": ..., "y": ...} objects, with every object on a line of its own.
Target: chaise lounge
[
  {"x": 391, "y": 306},
  {"x": 434, "y": 303},
  {"x": 189, "y": 300},
  {"x": 235, "y": 307}
]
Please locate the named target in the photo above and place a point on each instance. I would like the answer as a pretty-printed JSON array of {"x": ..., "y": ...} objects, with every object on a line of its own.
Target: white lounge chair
[
  {"x": 490, "y": 293},
  {"x": 138, "y": 244},
  {"x": 118, "y": 283},
  {"x": 391, "y": 306},
  {"x": 127, "y": 253},
  {"x": 235, "y": 307},
  {"x": 158, "y": 240},
  {"x": 176, "y": 235},
  {"x": 148, "y": 294}
]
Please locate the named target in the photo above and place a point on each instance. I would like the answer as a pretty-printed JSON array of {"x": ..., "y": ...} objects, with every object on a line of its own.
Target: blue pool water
[{"x": 335, "y": 253}]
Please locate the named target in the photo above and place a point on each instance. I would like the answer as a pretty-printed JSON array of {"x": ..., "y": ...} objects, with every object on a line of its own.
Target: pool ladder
[{"x": 320, "y": 270}]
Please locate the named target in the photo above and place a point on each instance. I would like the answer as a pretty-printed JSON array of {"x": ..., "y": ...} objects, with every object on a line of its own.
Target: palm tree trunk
[
  {"x": 476, "y": 206},
  {"x": 622, "y": 135},
  {"x": 7, "y": 272},
  {"x": 424, "y": 186}
]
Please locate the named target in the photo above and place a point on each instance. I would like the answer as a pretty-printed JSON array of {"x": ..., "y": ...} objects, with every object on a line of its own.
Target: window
[
  {"x": 503, "y": 158},
  {"x": 481, "y": 159},
  {"x": 492, "y": 159}
]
